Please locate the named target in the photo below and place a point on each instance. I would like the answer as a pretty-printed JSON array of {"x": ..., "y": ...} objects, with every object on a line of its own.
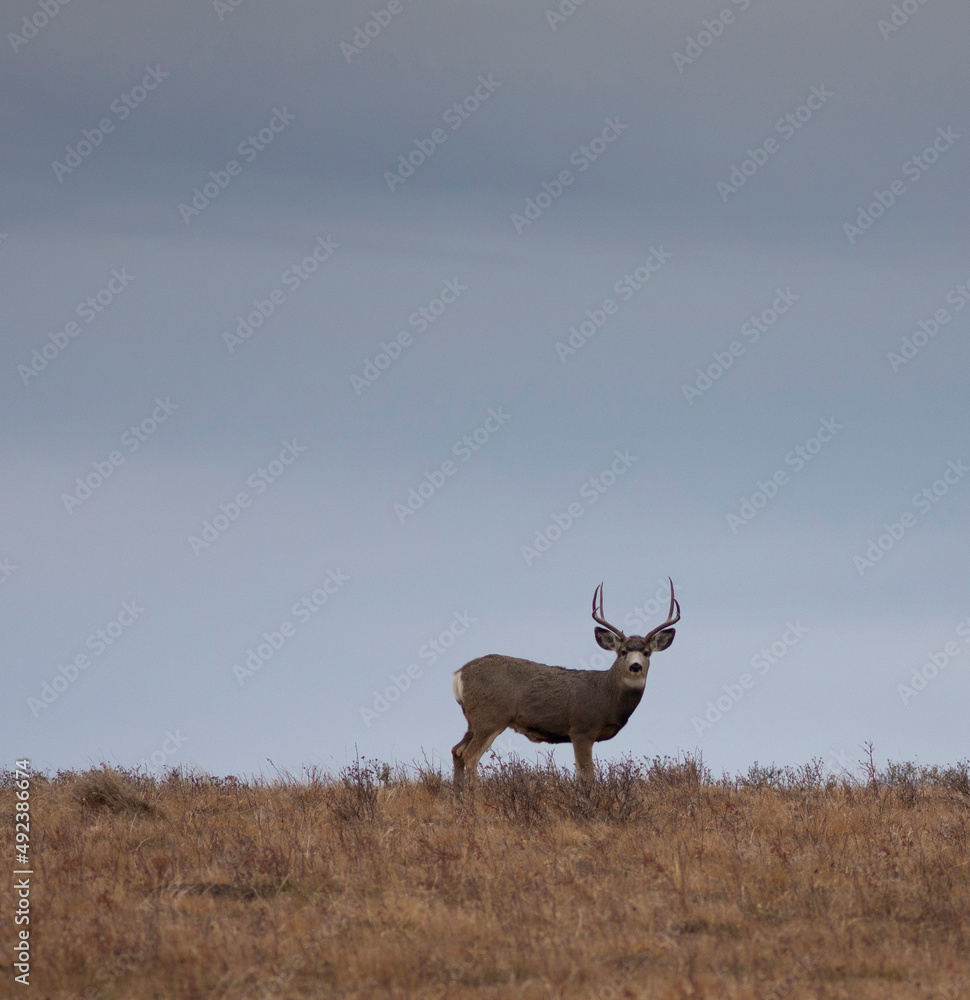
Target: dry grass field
[{"x": 662, "y": 882}]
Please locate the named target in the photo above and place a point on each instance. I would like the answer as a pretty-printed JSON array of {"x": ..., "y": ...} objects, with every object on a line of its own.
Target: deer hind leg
[
  {"x": 583, "y": 750},
  {"x": 457, "y": 756},
  {"x": 468, "y": 753}
]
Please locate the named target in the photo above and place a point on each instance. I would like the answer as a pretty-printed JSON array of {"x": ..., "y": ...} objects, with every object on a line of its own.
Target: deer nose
[{"x": 635, "y": 668}]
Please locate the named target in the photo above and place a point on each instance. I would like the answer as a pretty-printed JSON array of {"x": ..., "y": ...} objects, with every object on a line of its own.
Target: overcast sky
[{"x": 343, "y": 344}]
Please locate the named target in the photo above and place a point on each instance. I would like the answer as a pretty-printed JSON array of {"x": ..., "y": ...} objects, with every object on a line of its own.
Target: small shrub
[
  {"x": 354, "y": 794},
  {"x": 763, "y": 777},
  {"x": 111, "y": 790}
]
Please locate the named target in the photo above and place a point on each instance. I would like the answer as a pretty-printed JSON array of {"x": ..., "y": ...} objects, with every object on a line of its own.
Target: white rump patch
[{"x": 456, "y": 687}]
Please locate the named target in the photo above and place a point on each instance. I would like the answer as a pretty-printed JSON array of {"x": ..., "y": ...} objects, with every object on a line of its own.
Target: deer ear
[
  {"x": 662, "y": 639},
  {"x": 606, "y": 639}
]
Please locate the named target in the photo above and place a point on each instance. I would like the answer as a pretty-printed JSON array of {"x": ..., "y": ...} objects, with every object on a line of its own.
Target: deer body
[
  {"x": 552, "y": 704},
  {"x": 545, "y": 703}
]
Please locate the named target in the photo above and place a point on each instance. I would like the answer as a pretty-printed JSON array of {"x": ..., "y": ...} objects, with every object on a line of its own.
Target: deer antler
[
  {"x": 671, "y": 617},
  {"x": 598, "y": 613}
]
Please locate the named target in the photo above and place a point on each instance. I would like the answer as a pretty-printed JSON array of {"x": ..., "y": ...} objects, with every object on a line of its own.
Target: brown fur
[{"x": 552, "y": 704}]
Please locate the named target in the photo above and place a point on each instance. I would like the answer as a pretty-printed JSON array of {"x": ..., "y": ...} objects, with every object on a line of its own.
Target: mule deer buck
[{"x": 554, "y": 704}]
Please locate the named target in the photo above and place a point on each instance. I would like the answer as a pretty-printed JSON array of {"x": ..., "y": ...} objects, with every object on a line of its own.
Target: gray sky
[{"x": 691, "y": 283}]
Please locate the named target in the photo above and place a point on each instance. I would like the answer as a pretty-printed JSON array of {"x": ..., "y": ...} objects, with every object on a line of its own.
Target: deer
[{"x": 556, "y": 704}]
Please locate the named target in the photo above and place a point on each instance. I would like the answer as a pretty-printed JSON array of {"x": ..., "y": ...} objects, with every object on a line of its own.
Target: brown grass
[{"x": 661, "y": 883}]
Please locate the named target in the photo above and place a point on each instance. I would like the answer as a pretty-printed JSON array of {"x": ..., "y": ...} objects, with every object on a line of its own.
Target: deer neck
[{"x": 626, "y": 696}]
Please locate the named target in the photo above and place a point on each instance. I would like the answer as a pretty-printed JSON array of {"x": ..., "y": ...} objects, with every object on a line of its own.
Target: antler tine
[
  {"x": 672, "y": 619},
  {"x": 598, "y": 613}
]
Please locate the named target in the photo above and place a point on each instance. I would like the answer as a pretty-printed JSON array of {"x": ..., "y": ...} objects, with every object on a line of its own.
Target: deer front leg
[{"x": 583, "y": 749}]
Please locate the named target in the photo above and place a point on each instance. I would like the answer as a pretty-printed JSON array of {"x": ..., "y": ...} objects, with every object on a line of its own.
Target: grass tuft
[{"x": 115, "y": 791}]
